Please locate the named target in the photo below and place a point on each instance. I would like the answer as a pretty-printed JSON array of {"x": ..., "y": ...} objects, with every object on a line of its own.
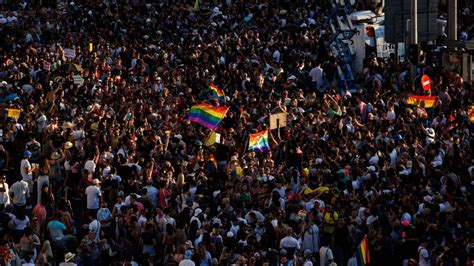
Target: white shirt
[
  {"x": 93, "y": 197},
  {"x": 90, "y": 166},
  {"x": 118, "y": 207},
  {"x": 95, "y": 227},
  {"x": 187, "y": 262},
  {"x": 393, "y": 157},
  {"x": 391, "y": 115},
  {"x": 108, "y": 155},
  {"x": 106, "y": 171},
  {"x": 20, "y": 224},
  {"x": 325, "y": 255},
  {"x": 4, "y": 197},
  {"x": 316, "y": 74},
  {"x": 24, "y": 169},
  {"x": 423, "y": 257},
  {"x": 78, "y": 135},
  {"x": 289, "y": 242},
  {"x": 20, "y": 192},
  {"x": 41, "y": 123},
  {"x": 421, "y": 207}
]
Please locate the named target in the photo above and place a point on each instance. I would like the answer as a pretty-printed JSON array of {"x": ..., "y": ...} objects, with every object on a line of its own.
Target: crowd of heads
[{"x": 103, "y": 167}]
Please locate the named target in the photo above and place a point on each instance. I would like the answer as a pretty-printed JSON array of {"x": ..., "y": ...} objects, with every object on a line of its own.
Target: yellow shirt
[{"x": 330, "y": 221}]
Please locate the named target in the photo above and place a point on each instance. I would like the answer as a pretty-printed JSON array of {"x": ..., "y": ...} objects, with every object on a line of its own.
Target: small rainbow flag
[
  {"x": 218, "y": 93},
  {"x": 258, "y": 142},
  {"x": 363, "y": 256},
  {"x": 207, "y": 115},
  {"x": 417, "y": 100}
]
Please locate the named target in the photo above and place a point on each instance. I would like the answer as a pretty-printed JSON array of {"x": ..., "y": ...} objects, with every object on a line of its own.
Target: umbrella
[{"x": 71, "y": 67}]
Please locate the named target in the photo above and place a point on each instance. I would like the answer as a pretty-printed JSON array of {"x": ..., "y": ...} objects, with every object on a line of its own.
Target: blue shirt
[{"x": 56, "y": 229}]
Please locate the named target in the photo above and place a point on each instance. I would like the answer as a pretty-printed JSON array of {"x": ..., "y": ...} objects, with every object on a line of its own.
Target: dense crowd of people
[{"x": 103, "y": 167}]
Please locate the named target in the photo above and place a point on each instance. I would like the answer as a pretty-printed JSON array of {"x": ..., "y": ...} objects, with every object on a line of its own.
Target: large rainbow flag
[
  {"x": 207, "y": 115},
  {"x": 417, "y": 100},
  {"x": 363, "y": 256},
  {"x": 218, "y": 93},
  {"x": 258, "y": 142}
]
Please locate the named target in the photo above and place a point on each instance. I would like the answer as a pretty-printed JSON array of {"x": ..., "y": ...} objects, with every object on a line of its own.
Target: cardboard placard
[
  {"x": 277, "y": 120},
  {"x": 69, "y": 53},
  {"x": 14, "y": 113},
  {"x": 78, "y": 80}
]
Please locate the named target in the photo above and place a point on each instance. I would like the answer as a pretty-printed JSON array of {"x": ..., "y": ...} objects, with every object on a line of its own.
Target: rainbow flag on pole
[
  {"x": 363, "y": 256},
  {"x": 258, "y": 142},
  {"x": 218, "y": 93},
  {"x": 416, "y": 100},
  {"x": 207, "y": 115}
]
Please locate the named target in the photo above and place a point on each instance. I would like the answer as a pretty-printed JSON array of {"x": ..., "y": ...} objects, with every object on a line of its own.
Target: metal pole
[
  {"x": 452, "y": 21},
  {"x": 414, "y": 22},
  {"x": 413, "y": 33}
]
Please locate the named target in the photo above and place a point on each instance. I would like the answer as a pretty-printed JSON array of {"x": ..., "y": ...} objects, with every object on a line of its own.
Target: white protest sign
[
  {"x": 69, "y": 53},
  {"x": 78, "y": 80}
]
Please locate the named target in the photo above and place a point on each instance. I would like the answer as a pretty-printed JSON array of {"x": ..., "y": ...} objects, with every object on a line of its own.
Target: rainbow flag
[
  {"x": 218, "y": 93},
  {"x": 207, "y": 115},
  {"x": 363, "y": 256},
  {"x": 258, "y": 142},
  {"x": 417, "y": 100}
]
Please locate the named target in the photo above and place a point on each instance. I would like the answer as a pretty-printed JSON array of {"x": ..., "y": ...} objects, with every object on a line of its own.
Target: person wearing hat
[
  {"x": 430, "y": 134},
  {"x": 67, "y": 154},
  {"x": 68, "y": 260},
  {"x": 26, "y": 170},
  {"x": 187, "y": 259},
  {"x": 93, "y": 194}
]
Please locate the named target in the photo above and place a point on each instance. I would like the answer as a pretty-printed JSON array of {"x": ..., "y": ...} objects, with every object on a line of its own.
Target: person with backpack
[{"x": 326, "y": 256}]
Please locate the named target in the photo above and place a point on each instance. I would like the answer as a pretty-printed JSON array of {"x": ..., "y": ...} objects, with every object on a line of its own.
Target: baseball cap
[
  {"x": 26, "y": 154},
  {"x": 188, "y": 254}
]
